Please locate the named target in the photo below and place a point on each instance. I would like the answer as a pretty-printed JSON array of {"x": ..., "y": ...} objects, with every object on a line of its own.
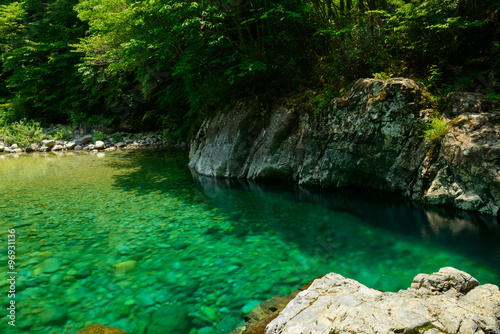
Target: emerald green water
[{"x": 134, "y": 240}]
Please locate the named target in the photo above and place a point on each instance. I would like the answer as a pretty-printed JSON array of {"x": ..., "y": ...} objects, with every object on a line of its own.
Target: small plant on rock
[
  {"x": 435, "y": 129},
  {"x": 382, "y": 75}
]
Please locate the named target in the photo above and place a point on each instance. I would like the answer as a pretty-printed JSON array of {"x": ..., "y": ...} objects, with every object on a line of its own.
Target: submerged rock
[
  {"x": 52, "y": 315},
  {"x": 449, "y": 301},
  {"x": 50, "y": 265},
  {"x": 123, "y": 249},
  {"x": 124, "y": 267},
  {"x": 372, "y": 138},
  {"x": 169, "y": 319}
]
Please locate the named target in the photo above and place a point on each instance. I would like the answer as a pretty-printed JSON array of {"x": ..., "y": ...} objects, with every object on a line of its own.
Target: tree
[{"x": 38, "y": 63}]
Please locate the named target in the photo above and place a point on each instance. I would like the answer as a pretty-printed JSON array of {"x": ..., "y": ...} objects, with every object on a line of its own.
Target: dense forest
[{"x": 167, "y": 64}]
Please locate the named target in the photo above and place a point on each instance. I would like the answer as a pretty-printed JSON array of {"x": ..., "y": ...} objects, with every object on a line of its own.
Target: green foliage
[
  {"x": 191, "y": 58},
  {"x": 435, "y": 129},
  {"x": 98, "y": 135},
  {"x": 22, "y": 133},
  {"x": 117, "y": 137},
  {"x": 321, "y": 99},
  {"x": 382, "y": 75},
  {"x": 37, "y": 61},
  {"x": 63, "y": 132},
  {"x": 148, "y": 64}
]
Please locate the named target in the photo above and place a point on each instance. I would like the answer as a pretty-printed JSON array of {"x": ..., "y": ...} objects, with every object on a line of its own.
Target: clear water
[{"x": 135, "y": 240}]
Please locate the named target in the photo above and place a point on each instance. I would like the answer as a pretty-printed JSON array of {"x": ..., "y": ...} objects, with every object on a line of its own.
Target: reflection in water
[
  {"x": 439, "y": 224},
  {"x": 467, "y": 233}
]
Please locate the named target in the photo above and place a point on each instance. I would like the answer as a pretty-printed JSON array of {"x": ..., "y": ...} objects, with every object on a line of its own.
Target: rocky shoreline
[
  {"x": 87, "y": 143},
  {"x": 371, "y": 138},
  {"x": 448, "y": 301}
]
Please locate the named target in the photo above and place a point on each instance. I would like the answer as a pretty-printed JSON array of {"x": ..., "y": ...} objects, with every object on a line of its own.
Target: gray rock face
[
  {"x": 371, "y": 138},
  {"x": 32, "y": 148},
  {"x": 48, "y": 143},
  {"x": 70, "y": 145},
  {"x": 83, "y": 140},
  {"x": 57, "y": 148},
  {"x": 450, "y": 301},
  {"x": 466, "y": 174}
]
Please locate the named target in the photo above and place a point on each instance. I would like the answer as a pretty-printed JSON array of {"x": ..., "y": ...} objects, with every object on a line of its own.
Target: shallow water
[{"x": 135, "y": 240}]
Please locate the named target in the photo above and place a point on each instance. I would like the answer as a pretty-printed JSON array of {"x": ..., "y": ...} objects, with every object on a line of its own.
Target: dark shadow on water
[
  {"x": 464, "y": 232},
  {"x": 275, "y": 208}
]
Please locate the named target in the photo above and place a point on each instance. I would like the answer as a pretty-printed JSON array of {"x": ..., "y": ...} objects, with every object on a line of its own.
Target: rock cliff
[
  {"x": 372, "y": 138},
  {"x": 449, "y": 301}
]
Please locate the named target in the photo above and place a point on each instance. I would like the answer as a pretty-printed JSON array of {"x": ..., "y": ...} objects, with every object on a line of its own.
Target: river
[{"x": 135, "y": 240}]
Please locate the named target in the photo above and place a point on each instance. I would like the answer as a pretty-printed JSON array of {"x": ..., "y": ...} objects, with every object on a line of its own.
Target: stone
[
  {"x": 371, "y": 138},
  {"x": 78, "y": 147},
  {"x": 83, "y": 272},
  {"x": 465, "y": 102},
  {"x": 130, "y": 302},
  {"x": 48, "y": 143},
  {"x": 169, "y": 319},
  {"x": 55, "y": 279},
  {"x": 257, "y": 320},
  {"x": 123, "y": 249},
  {"x": 99, "y": 145},
  {"x": 146, "y": 300},
  {"x": 49, "y": 265},
  {"x": 2, "y": 147},
  {"x": 449, "y": 301},
  {"x": 207, "y": 330},
  {"x": 70, "y": 145},
  {"x": 180, "y": 245},
  {"x": 14, "y": 146},
  {"x": 248, "y": 307},
  {"x": 52, "y": 315},
  {"x": 32, "y": 148},
  {"x": 57, "y": 148},
  {"x": 101, "y": 329},
  {"x": 124, "y": 267},
  {"x": 83, "y": 140}
]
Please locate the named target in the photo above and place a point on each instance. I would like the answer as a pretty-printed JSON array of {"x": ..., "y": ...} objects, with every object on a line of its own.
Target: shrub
[
  {"x": 63, "y": 132},
  {"x": 98, "y": 135},
  {"x": 117, "y": 137},
  {"x": 22, "y": 133}
]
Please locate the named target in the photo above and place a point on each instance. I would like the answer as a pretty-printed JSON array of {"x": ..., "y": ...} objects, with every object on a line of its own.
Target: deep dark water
[{"x": 123, "y": 239}]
